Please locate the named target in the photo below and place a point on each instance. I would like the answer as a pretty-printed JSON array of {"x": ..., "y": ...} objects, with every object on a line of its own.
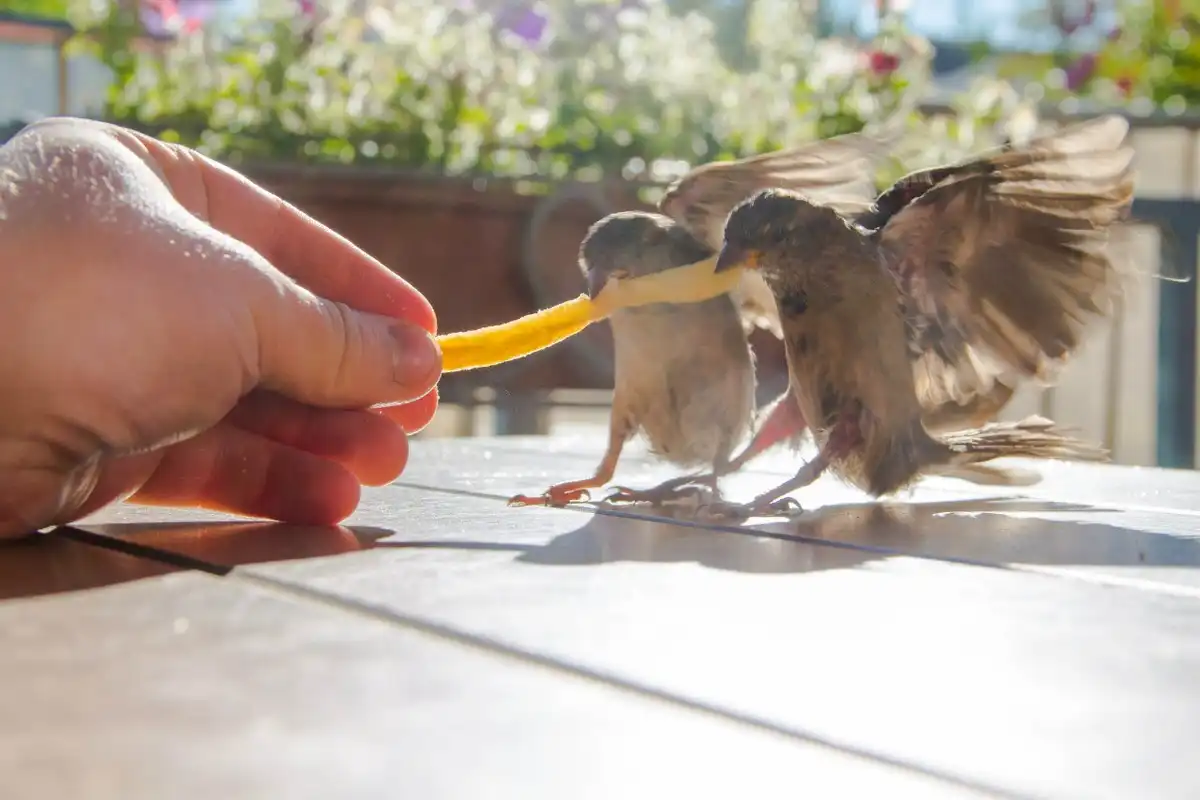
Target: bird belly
[
  {"x": 692, "y": 423},
  {"x": 872, "y": 461},
  {"x": 864, "y": 451},
  {"x": 689, "y": 381}
]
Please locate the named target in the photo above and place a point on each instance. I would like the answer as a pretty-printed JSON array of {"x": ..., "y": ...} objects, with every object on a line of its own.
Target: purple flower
[
  {"x": 528, "y": 24},
  {"x": 1079, "y": 72},
  {"x": 160, "y": 16}
]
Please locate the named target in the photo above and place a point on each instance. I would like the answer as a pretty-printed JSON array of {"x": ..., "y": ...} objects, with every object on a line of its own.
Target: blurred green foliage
[
  {"x": 1148, "y": 60},
  {"x": 47, "y": 9},
  {"x": 1156, "y": 53},
  {"x": 608, "y": 88}
]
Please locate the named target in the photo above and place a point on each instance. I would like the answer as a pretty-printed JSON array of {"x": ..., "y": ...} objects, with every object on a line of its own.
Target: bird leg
[
  {"x": 784, "y": 421},
  {"x": 803, "y": 477},
  {"x": 773, "y": 502},
  {"x": 561, "y": 494},
  {"x": 843, "y": 435},
  {"x": 673, "y": 489}
]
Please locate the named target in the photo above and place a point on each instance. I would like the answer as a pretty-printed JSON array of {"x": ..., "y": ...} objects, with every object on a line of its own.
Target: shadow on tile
[
  {"x": 219, "y": 546},
  {"x": 840, "y": 536},
  {"x": 610, "y": 539},
  {"x": 46, "y": 564},
  {"x": 985, "y": 530},
  {"x": 830, "y": 537}
]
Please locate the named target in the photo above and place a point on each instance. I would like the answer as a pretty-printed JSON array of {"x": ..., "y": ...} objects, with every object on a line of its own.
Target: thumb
[{"x": 325, "y": 353}]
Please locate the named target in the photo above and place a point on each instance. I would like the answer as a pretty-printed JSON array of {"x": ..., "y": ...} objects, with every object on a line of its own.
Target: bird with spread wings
[{"x": 1001, "y": 260}]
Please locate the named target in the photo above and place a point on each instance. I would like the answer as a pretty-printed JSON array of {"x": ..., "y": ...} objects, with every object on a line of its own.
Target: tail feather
[
  {"x": 987, "y": 474},
  {"x": 965, "y": 452}
]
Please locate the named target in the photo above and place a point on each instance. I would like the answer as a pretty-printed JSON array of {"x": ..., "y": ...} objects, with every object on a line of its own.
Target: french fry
[{"x": 497, "y": 344}]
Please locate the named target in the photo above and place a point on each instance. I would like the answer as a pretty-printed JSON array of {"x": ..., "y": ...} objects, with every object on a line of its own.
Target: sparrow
[
  {"x": 947, "y": 411},
  {"x": 958, "y": 276},
  {"x": 684, "y": 373}
]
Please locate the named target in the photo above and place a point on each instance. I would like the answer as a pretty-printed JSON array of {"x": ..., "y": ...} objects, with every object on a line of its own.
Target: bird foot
[
  {"x": 721, "y": 511},
  {"x": 659, "y": 495},
  {"x": 555, "y": 496}
]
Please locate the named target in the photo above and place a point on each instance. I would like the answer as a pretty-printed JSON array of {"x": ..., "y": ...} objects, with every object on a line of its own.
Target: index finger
[{"x": 313, "y": 254}]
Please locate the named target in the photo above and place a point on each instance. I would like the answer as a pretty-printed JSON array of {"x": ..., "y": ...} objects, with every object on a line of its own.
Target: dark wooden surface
[{"x": 1041, "y": 642}]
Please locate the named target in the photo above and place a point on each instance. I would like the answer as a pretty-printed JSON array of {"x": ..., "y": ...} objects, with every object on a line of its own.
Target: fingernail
[{"x": 417, "y": 359}]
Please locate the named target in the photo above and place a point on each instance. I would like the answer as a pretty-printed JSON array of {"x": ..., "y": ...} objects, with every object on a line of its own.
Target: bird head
[
  {"x": 631, "y": 244},
  {"x": 768, "y": 223}
]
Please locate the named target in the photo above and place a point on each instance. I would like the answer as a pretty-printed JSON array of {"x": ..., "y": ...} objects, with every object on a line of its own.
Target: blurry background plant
[
  {"x": 1135, "y": 53},
  {"x": 539, "y": 89}
]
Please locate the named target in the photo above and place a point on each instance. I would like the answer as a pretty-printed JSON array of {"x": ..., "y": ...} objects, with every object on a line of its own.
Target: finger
[
  {"x": 33, "y": 496},
  {"x": 412, "y": 417},
  {"x": 235, "y": 471},
  {"x": 117, "y": 479},
  {"x": 313, "y": 254},
  {"x": 327, "y": 354},
  {"x": 373, "y": 447},
  {"x": 291, "y": 340}
]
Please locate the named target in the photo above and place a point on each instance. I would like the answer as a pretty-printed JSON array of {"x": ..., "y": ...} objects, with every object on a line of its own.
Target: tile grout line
[
  {"x": 610, "y": 680},
  {"x": 130, "y": 548},
  {"x": 171, "y": 558},
  {"x": 1095, "y": 579},
  {"x": 498, "y": 648}
]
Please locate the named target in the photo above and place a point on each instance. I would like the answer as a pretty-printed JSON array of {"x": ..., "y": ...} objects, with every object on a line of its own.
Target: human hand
[{"x": 172, "y": 334}]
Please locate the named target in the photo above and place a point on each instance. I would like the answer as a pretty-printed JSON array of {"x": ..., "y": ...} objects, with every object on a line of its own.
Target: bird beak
[
  {"x": 596, "y": 281},
  {"x": 735, "y": 258}
]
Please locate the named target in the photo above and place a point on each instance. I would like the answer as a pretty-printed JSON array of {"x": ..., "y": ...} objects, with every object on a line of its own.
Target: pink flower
[
  {"x": 883, "y": 64},
  {"x": 165, "y": 17}
]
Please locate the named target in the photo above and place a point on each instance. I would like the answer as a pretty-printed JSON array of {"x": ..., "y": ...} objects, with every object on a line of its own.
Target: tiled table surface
[{"x": 1041, "y": 642}]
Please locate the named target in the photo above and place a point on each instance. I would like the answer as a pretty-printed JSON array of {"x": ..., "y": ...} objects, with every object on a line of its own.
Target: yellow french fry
[{"x": 497, "y": 344}]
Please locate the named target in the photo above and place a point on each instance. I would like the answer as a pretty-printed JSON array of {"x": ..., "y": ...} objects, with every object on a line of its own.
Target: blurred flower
[
  {"x": 634, "y": 88},
  {"x": 169, "y": 17},
  {"x": 883, "y": 64},
  {"x": 1081, "y": 71},
  {"x": 528, "y": 24},
  {"x": 1125, "y": 85},
  {"x": 833, "y": 61},
  {"x": 1069, "y": 24}
]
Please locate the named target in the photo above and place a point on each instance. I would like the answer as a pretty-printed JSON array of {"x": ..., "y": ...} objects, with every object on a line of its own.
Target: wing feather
[
  {"x": 836, "y": 171},
  {"x": 1003, "y": 260}
]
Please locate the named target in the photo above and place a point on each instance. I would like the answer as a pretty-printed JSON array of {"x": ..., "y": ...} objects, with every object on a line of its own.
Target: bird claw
[
  {"x": 656, "y": 496},
  {"x": 740, "y": 512},
  {"x": 553, "y": 496},
  {"x": 784, "y": 507}
]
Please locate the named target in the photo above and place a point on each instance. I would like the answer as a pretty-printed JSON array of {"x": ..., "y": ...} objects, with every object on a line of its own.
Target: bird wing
[
  {"x": 836, "y": 172},
  {"x": 1003, "y": 259}
]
